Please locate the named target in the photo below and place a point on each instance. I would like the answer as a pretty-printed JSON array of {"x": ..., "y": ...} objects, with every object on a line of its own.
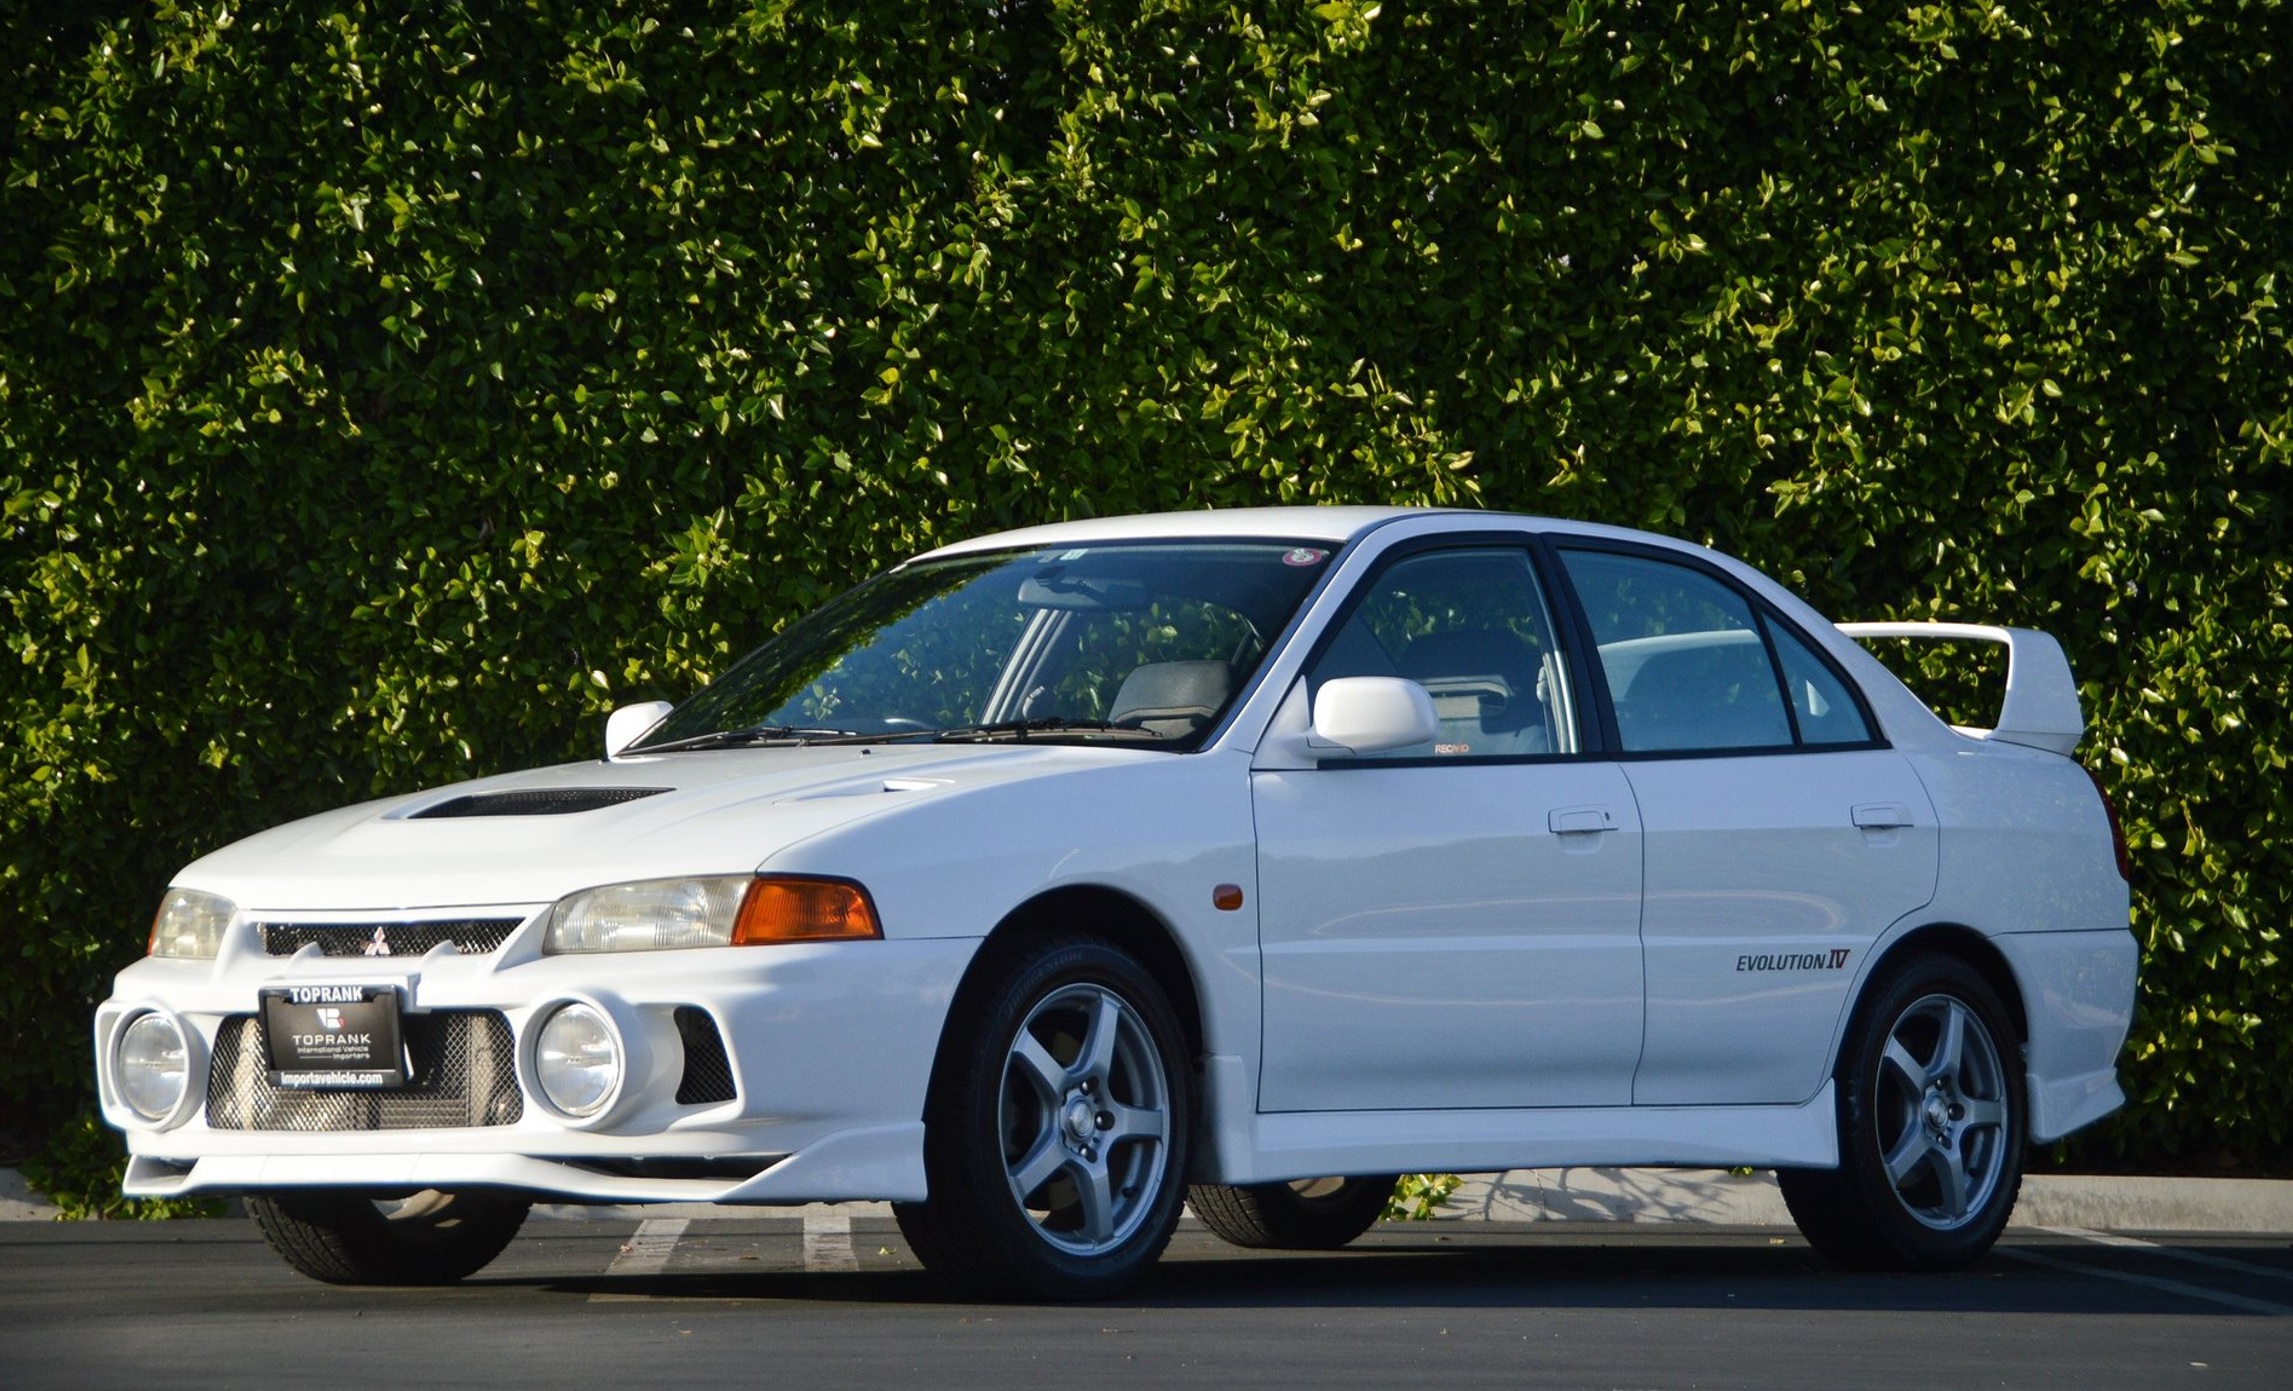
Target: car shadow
[{"x": 1441, "y": 1273}]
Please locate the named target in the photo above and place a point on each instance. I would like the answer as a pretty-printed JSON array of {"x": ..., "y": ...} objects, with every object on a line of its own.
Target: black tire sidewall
[
  {"x": 341, "y": 1237},
  {"x": 1275, "y": 1216}
]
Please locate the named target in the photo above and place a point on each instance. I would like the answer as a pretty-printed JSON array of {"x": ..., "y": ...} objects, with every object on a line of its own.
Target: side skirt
[{"x": 1293, "y": 1145}]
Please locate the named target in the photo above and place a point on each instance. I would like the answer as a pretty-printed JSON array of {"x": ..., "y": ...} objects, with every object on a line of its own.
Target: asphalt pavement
[
  {"x": 1572, "y": 1277},
  {"x": 822, "y": 1298}
]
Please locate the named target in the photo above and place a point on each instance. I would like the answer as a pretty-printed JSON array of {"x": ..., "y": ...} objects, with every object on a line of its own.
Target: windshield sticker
[
  {"x": 1303, "y": 556},
  {"x": 1072, "y": 555}
]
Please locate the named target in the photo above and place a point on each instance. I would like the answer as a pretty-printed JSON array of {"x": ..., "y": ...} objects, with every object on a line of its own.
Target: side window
[
  {"x": 1686, "y": 665},
  {"x": 1471, "y": 627},
  {"x": 1826, "y": 713}
]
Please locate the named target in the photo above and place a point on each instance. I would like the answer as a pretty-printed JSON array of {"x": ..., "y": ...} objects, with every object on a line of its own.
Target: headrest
[{"x": 1187, "y": 693}]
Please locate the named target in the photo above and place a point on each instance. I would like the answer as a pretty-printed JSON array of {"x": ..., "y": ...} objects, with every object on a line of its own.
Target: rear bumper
[{"x": 2078, "y": 990}]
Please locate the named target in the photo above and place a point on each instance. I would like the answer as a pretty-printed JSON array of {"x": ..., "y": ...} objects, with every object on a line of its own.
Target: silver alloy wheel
[
  {"x": 1942, "y": 1112},
  {"x": 1085, "y": 1119}
]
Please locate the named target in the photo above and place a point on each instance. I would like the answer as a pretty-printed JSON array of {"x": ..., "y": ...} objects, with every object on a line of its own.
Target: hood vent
[{"x": 539, "y": 801}]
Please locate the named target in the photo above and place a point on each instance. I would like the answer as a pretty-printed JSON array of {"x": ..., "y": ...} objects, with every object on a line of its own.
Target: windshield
[{"x": 1141, "y": 643}]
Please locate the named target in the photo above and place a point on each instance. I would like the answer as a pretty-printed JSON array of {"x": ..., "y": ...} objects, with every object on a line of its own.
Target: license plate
[{"x": 343, "y": 1036}]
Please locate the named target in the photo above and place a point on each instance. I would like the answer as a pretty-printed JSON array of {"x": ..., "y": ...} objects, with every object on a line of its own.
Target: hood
[{"x": 530, "y": 838}]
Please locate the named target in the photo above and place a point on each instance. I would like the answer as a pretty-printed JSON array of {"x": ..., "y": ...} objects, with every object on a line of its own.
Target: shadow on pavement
[{"x": 1515, "y": 1273}]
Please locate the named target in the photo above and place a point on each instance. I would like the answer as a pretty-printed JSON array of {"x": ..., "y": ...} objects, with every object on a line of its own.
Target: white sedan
[{"x": 1054, "y": 878}]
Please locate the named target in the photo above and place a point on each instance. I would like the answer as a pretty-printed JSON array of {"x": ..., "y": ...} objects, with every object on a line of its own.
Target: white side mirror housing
[
  {"x": 628, "y": 724},
  {"x": 1359, "y": 716}
]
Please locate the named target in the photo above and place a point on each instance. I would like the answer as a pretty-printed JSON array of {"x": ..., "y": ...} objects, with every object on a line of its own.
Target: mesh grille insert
[
  {"x": 463, "y": 1075},
  {"x": 708, "y": 1072},
  {"x": 472, "y": 935},
  {"x": 539, "y": 801}
]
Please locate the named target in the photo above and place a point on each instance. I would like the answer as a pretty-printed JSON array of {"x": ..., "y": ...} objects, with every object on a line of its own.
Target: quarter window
[{"x": 1825, "y": 712}]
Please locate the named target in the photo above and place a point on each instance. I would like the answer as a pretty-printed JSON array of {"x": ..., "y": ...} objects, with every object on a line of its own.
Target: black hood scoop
[{"x": 538, "y": 801}]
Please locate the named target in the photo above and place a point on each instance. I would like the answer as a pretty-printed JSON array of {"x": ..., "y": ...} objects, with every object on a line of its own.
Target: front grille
[
  {"x": 708, "y": 1072},
  {"x": 538, "y": 801},
  {"x": 474, "y": 936},
  {"x": 463, "y": 1074}
]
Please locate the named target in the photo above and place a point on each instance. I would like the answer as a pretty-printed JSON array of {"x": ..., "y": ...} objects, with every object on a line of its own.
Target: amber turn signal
[{"x": 804, "y": 910}]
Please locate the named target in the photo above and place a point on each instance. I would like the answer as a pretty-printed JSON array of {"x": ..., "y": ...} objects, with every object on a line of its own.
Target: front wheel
[
  {"x": 1309, "y": 1215},
  {"x": 428, "y": 1238},
  {"x": 1931, "y": 1126},
  {"x": 1055, "y": 1135}
]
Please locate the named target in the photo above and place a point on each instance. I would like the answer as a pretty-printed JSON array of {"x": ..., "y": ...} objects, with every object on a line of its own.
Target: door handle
[
  {"x": 1882, "y": 816},
  {"x": 1577, "y": 821}
]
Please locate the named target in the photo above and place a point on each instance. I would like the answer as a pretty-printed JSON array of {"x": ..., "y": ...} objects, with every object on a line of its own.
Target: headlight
[
  {"x": 190, "y": 924},
  {"x": 151, "y": 1063},
  {"x": 732, "y": 910},
  {"x": 576, "y": 1060}
]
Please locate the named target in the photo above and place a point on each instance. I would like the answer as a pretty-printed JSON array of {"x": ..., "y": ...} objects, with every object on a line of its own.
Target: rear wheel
[
  {"x": 1055, "y": 1136},
  {"x": 1319, "y": 1214},
  {"x": 1931, "y": 1126},
  {"x": 427, "y": 1238}
]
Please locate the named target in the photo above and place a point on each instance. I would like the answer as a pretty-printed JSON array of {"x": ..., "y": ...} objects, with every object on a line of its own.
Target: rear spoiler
[{"x": 2041, "y": 709}]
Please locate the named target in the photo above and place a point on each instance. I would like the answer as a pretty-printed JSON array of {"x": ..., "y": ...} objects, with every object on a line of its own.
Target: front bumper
[{"x": 830, "y": 1049}]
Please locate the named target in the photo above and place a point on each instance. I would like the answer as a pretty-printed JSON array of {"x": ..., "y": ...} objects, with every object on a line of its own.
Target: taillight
[{"x": 2117, "y": 828}]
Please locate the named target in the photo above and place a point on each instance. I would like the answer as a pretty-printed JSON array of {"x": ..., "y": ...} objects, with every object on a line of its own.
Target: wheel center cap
[
  {"x": 1079, "y": 1118},
  {"x": 1938, "y": 1114}
]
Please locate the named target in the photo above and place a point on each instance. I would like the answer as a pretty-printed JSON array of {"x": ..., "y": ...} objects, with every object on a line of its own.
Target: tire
[
  {"x": 1932, "y": 1126},
  {"x": 1055, "y": 1136},
  {"x": 429, "y": 1238},
  {"x": 1308, "y": 1215}
]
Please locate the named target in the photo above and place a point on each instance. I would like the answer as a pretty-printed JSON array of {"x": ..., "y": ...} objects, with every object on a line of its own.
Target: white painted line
[
  {"x": 828, "y": 1241},
  {"x": 2179, "y": 1253},
  {"x": 646, "y": 1253},
  {"x": 2187, "y": 1291}
]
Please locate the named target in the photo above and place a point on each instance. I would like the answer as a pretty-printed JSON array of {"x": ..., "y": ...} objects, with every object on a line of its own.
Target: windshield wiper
[
  {"x": 744, "y": 738},
  {"x": 1044, "y": 724}
]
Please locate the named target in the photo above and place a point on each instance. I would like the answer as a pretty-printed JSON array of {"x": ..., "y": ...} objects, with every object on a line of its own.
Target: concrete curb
[
  {"x": 18, "y": 1203},
  {"x": 1637, "y": 1196},
  {"x": 2093, "y": 1202}
]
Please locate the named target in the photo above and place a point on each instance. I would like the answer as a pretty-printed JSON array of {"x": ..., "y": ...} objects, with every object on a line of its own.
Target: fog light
[
  {"x": 576, "y": 1060},
  {"x": 152, "y": 1064}
]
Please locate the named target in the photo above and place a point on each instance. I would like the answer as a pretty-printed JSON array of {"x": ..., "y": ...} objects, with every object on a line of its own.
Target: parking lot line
[
  {"x": 2186, "y": 1290},
  {"x": 828, "y": 1240},
  {"x": 2179, "y": 1253},
  {"x": 647, "y": 1252}
]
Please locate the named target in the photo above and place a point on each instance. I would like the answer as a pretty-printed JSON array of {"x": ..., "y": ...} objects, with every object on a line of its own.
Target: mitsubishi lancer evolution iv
[{"x": 1052, "y": 879}]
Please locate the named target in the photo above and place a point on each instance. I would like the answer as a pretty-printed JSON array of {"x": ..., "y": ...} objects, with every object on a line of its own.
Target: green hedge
[{"x": 386, "y": 395}]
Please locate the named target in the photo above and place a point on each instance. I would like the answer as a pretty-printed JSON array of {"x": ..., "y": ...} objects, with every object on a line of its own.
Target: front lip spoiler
[{"x": 876, "y": 1162}]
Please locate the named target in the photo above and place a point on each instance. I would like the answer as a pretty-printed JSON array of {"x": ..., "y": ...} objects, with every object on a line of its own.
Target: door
[
  {"x": 1781, "y": 837},
  {"x": 1456, "y": 926}
]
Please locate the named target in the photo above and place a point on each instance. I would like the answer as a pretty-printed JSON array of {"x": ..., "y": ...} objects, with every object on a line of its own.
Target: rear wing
[{"x": 2041, "y": 709}]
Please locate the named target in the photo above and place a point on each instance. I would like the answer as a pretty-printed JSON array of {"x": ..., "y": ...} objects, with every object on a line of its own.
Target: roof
[{"x": 1330, "y": 525}]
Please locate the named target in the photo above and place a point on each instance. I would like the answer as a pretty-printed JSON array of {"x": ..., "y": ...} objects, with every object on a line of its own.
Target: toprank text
[{"x": 326, "y": 994}]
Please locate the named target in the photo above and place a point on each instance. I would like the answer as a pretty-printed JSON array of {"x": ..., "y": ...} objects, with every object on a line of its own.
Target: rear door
[{"x": 1781, "y": 836}]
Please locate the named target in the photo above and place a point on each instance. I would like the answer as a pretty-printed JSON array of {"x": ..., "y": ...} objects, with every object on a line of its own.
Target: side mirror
[
  {"x": 1362, "y": 715},
  {"x": 628, "y": 724}
]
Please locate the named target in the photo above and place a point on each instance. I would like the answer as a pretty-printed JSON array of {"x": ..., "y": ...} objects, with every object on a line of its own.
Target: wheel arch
[
  {"x": 1946, "y": 939},
  {"x": 1107, "y": 913}
]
